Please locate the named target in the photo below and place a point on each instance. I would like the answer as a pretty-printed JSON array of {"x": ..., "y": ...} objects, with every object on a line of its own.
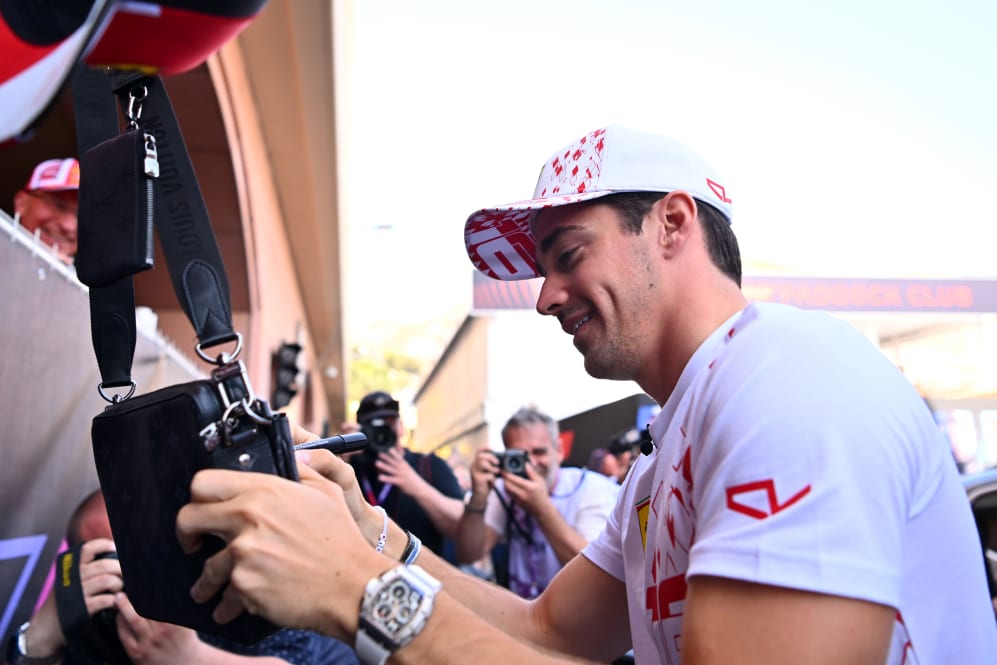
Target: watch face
[{"x": 395, "y": 605}]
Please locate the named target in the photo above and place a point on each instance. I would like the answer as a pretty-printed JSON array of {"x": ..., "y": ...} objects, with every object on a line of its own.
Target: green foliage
[{"x": 384, "y": 370}]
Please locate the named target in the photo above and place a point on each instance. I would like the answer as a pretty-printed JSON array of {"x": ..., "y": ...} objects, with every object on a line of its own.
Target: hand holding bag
[{"x": 147, "y": 448}]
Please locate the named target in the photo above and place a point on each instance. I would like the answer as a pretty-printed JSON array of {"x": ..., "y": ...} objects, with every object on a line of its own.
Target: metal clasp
[
  {"x": 118, "y": 397},
  {"x": 236, "y": 392},
  {"x": 221, "y": 358},
  {"x": 211, "y": 436},
  {"x": 135, "y": 97}
]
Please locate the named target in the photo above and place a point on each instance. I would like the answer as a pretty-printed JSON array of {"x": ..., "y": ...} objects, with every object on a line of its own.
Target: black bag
[
  {"x": 148, "y": 448},
  {"x": 117, "y": 200}
]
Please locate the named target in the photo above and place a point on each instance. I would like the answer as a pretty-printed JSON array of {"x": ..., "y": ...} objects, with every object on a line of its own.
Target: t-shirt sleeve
[
  {"x": 605, "y": 551},
  {"x": 596, "y": 505},
  {"x": 799, "y": 487}
]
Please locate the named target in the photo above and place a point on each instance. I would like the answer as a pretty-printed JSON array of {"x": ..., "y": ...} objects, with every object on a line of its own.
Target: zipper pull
[{"x": 151, "y": 156}]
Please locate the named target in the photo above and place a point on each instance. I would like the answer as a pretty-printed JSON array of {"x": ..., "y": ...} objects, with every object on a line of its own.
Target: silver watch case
[{"x": 395, "y": 608}]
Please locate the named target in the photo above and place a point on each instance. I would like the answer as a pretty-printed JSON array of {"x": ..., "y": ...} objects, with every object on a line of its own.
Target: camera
[
  {"x": 380, "y": 435},
  {"x": 513, "y": 461}
]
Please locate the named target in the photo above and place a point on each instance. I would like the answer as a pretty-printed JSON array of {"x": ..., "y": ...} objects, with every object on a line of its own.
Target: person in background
[
  {"x": 625, "y": 446},
  {"x": 797, "y": 503},
  {"x": 602, "y": 461},
  {"x": 419, "y": 491},
  {"x": 46, "y": 205},
  {"x": 44, "y": 639},
  {"x": 545, "y": 513}
]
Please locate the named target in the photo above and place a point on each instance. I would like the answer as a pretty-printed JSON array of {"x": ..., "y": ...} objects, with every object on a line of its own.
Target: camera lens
[
  {"x": 514, "y": 461},
  {"x": 380, "y": 435}
]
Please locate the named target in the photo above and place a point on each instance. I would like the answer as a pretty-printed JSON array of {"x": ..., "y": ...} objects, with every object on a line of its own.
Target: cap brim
[
  {"x": 379, "y": 413},
  {"x": 499, "y": 239},
  {"x": 67, "y": 188}
]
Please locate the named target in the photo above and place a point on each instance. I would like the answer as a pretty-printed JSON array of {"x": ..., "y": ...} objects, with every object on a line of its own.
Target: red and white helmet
[{"x": 41, "y": 41}]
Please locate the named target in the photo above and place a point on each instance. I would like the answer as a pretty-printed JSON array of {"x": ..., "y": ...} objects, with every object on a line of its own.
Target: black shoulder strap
[
  {"x": 426, "y": 468},
  {"x": 112, "y": 306},
  {"x": 181, "y": 218}
]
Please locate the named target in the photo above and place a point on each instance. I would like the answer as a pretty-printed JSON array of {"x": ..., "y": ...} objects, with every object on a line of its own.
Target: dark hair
[{"x": 720, "y": 240}]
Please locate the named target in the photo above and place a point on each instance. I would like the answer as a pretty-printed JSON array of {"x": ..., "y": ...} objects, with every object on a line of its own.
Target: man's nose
[
  {"x": 67, "y": 221},
  {"x": 551, "y": 296}
]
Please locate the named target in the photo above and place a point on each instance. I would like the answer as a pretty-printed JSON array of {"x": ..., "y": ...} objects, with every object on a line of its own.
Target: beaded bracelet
[{"x": 384, "y": 530}]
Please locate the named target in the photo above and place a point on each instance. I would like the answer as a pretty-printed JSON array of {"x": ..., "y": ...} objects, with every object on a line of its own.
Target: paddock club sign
[{"x": 849, "y": 295}]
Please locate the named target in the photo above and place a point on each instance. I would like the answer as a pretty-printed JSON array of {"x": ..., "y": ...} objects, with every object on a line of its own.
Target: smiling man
[
  {"x": 46, "y": 205},
  {"x": 545, "y": 514},
  {"x": 798, "y": 504}
]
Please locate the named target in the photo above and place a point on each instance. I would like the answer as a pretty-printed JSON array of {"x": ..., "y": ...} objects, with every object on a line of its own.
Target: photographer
[
  {"x": 545, "y": 513},
  {"x": 91, "y": 621},
  {"x": 420, "y": 492}
]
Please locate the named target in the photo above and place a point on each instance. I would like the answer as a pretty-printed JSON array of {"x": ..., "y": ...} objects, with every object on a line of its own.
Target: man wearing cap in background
[
  {"x": 797, "y": 504},
  {"x": 419, "y": 491},
  {"x": 46, "y": 206}
]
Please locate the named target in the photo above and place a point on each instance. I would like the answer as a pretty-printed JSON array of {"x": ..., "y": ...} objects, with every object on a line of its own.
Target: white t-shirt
[
  {"x": 793, "y": 453},
  {"x": 583, "y": 498}
]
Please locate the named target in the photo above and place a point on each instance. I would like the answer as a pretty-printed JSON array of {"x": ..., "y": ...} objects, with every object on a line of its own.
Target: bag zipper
[{"x": 151, "y": 166}]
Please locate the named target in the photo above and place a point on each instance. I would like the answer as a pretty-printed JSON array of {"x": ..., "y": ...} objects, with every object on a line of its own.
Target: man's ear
[
  {"x": 674, "y": 218},
  {"x": 20, "y": 201}
]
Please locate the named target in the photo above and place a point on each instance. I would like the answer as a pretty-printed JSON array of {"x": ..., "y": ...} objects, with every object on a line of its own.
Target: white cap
[{"x": 607, "y": 161}]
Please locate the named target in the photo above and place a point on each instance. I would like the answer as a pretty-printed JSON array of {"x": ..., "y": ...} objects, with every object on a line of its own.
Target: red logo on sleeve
[{"x": 757, "y": 511}]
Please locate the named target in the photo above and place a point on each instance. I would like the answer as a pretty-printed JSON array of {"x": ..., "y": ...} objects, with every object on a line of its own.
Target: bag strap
[
  {"x": 181, "y": 219},
  {"x": 112, "y": 306}
]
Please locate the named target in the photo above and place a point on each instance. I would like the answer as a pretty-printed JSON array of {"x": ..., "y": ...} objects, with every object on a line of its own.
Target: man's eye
[{"x": 565, "y": 258}]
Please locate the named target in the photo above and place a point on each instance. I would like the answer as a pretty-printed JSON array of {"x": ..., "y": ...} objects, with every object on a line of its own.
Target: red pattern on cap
[{"x": 576, "y": 168}]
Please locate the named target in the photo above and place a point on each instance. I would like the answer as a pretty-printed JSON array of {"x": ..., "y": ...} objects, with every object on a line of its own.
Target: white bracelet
[{"x": 384, "y": 530}]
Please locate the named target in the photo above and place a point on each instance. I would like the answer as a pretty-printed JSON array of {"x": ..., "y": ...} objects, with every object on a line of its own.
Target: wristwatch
[
  {"x": 17, "y": 650},
  {"x": 394, "y": 609}
]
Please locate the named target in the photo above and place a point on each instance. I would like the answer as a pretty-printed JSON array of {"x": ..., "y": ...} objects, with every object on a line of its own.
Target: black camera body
[
  {"x": 380, "y": 434},
  {"x": 513, "y": 461}
]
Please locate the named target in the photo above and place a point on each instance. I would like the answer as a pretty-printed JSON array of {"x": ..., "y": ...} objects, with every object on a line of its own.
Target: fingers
[
  {"x": 92, "y": 548},
  {"x": 301, "y": 435},
  {"x": 216, "y": 573},
  {"x": 99, "y": 601},
  {"x": 325, "y": 463},
  {"x": 128, "y": 618},
  {"x": 230, "y": 607},
  {"x": 207, "y": 513},
  {"x": 330, "y": 475}
]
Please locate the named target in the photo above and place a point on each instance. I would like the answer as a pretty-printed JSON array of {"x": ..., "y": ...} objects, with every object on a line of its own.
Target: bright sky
[{"x": 857, "y": 138}]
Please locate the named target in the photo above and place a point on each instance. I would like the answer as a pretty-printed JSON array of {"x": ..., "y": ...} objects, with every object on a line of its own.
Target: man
[
  {"x": 123, "y": 636},
  {"x": 625, "y": 447},
  {"x": 419, "y": 492},
  {"x": 46, "y": 205},
  {"x": 797, "y": 504},
  {"x": 546, "y": 515}
]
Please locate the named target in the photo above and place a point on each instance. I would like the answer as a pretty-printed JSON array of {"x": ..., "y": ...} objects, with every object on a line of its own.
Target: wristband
[
  {"x": 412, "y": 549},
  {"x": 384, "y": 530},
  {"x": 17, "y": 650},
  {"x": 468, "y": 508}
]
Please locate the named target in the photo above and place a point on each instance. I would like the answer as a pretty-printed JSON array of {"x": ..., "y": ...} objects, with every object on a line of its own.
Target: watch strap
[{"x": 369, "y": 650}]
